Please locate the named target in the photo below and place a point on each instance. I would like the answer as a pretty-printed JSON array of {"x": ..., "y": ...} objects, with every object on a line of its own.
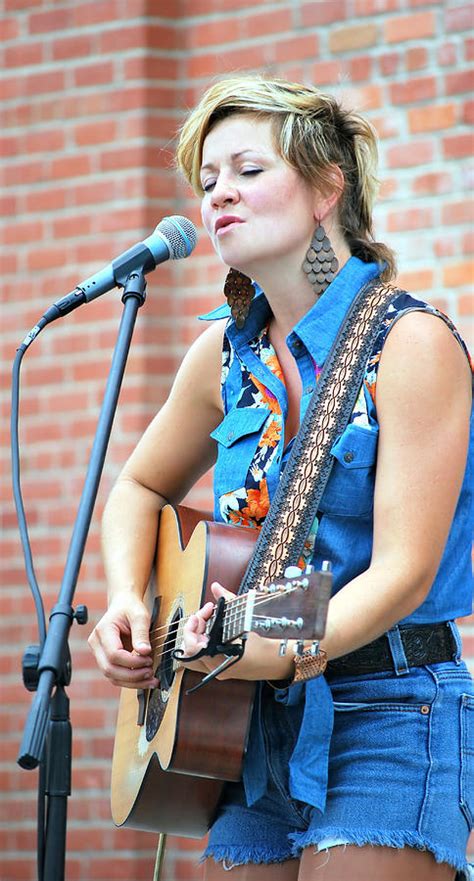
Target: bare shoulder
[
  {"x": 422, "y": 348},
  {"x": 200, "y": 370},
  {"x": 211, "y": 338}
]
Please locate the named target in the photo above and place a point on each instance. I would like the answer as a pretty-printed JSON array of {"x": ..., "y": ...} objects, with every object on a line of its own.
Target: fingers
[
  {"x": 122, "y": 623},
  {"x": 140, "y": 638},
  {"x": 194, "y": 633},
  {"x": 219, "y": 591},
  {"x": 126, "y": 669}
]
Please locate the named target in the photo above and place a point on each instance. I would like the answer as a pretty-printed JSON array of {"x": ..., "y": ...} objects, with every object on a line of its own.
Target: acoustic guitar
[{"x": 175, "y": 749}]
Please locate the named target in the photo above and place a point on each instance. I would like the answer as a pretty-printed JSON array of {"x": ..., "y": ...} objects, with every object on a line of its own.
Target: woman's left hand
[{"x": 260, "y": 659}]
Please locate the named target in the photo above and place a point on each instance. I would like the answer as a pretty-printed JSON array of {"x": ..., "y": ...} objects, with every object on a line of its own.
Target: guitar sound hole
[{"x": 165, "y": 674}]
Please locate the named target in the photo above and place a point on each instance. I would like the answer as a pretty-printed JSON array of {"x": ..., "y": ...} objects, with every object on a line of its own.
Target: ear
[{"x": 326, "y": 201}]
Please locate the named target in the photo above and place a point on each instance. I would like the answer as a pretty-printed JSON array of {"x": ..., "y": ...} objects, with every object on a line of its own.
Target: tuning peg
[
  {"x": 292, "y": 572},
  {"x": 299, "y": 647},
  {"x": 283, "y": 648},
  {"x": 326, "y": 566}
]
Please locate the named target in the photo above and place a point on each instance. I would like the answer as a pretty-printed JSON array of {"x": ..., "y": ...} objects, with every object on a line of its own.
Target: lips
[{"x": 226, "y": 220}]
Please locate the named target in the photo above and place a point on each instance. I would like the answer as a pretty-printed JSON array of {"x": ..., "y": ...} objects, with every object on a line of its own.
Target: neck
[{"x": 289, "y": 292}]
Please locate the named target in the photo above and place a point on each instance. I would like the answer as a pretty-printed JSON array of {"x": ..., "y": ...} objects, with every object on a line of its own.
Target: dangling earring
[
  {"x": 320, "y": 264},
  {"x": 239, "y": 291}
]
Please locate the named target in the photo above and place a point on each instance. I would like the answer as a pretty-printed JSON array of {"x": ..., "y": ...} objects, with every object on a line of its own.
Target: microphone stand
[{"x": 47, "y": 735}]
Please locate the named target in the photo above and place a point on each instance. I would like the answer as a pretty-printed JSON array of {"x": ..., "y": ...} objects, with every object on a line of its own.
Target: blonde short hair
[{"x": 313, "y": 133}]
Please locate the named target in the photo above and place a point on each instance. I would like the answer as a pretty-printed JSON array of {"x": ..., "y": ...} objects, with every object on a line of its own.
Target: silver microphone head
[{"x": 179, "y": 234}]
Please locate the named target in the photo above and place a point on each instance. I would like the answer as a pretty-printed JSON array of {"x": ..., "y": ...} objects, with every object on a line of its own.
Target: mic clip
[{"x": 135, "y": 286}]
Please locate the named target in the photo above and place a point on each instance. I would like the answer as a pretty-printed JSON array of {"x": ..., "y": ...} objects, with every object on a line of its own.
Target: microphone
[{"x": 174, "y": 237}]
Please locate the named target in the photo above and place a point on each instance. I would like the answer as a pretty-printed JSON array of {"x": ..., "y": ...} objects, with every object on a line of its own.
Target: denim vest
[
  {"x": 251, "y": 455},
  {"x": 255, "y": 408}
]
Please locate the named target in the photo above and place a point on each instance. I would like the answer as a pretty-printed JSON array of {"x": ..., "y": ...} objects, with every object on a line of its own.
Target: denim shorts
[{"x": 401, "y": 769}]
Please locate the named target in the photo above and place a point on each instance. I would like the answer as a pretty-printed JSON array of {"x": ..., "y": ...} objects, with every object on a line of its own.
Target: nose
[{"x": 224, "y": 193}]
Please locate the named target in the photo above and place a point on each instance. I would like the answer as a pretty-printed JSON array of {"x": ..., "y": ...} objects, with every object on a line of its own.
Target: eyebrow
[{"x": 233, "y": 156}]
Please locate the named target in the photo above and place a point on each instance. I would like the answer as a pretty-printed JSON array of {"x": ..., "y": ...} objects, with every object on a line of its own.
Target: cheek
[
  {"x": 284, "y": 200},
  {"x": 206, "y": 216}
]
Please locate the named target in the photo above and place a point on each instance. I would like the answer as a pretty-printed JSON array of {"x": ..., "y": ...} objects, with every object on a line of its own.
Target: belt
[{"x": 422, "y": 643}]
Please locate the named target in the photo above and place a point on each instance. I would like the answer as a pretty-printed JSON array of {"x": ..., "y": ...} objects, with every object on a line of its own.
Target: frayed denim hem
[
  {"x": 382, "y": 839},
  {"x": 240, "y": 856}
]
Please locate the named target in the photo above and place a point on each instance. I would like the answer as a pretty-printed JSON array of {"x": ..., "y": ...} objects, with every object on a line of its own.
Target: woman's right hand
[{"x": 121, "y": 643}]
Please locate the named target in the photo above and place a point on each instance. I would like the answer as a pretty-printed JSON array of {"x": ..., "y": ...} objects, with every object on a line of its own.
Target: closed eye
[{"x": 210, "y": 184}]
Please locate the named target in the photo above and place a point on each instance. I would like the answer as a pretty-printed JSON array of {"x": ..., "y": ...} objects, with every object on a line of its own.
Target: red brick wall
[{"x": 91, "y": 94}]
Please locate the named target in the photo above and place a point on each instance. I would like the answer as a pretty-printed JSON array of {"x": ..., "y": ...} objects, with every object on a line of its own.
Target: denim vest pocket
[
  {"x": 350, "y": 488},
  {"x": 467, "y": 758},
  {"x": 237, "y": 437}
]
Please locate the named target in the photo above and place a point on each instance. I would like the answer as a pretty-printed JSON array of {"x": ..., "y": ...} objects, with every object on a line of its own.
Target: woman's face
[{"x": 259, "y": 212}]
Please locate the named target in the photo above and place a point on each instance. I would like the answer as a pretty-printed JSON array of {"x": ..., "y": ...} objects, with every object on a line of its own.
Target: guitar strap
[{"x": 296, "y": 501}]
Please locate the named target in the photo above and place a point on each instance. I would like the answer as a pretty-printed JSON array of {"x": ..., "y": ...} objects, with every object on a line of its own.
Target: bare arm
[
  {"x": 420, "y": 467},
  {"x": 173, "y": 453}
]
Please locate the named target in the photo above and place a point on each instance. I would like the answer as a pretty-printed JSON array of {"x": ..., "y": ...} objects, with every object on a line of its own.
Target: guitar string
[
  {"x": 170, "y": 650},
  {"x": 172, "y": 633},
  {"x": 232, "y": 605},
  {"x": 176, "y": 626}
]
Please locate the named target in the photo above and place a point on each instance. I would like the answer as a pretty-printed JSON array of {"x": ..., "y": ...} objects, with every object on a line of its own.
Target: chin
[{"x": 236, "y": 260}]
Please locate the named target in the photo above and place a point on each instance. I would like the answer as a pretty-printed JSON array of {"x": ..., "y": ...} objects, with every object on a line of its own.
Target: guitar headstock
[{"x": 293, "y": 607}]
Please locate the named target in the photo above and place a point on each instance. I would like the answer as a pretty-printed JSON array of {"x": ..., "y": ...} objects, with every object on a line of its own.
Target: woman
[{"x": 356, "y": 774}]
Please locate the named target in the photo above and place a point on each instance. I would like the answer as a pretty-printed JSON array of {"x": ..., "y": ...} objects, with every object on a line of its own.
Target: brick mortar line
[
  {"x": 72, "y": 150},
  {"x": 71, "y": 90},
  {"x": 326, "y": 54},
  {"x": 88, "y": 121},
  {"x": 83, "y": 63},
  {"x": 353, "y": 19},
  {"x": 123, "y": 23},
  {"x": 132, "y": 854}
]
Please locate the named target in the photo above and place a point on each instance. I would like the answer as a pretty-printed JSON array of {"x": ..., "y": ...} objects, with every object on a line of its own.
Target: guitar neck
[{"x": 296, "y": 607}]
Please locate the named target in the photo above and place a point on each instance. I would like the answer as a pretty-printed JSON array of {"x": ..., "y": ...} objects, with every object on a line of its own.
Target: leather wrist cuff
[{"x": 308, "y": 665}]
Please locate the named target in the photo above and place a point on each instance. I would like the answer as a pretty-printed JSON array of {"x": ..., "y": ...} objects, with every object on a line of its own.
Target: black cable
[
  {"x": 20, "y": 510},
  {"x": 32, "y": 581}
]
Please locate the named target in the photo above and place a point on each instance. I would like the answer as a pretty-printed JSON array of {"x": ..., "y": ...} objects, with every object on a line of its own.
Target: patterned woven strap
[{"x": 296, "y": 501}]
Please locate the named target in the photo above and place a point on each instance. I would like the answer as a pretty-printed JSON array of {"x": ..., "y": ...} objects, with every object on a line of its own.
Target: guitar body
[{"x": 173, "y": 750}]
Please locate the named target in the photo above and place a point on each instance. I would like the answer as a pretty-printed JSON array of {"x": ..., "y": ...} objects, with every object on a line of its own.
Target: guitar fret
[{"x": 233, "y": 618}]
